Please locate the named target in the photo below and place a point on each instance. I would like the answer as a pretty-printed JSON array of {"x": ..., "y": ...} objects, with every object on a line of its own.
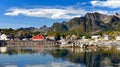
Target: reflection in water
[
  {"x": 90, "y": 58},
  {"x": 57, "y": 64},
  {"x": 21, "y": 50},
  {"x": 52, "y": 57},
  {"x": 3, "y": 49}
]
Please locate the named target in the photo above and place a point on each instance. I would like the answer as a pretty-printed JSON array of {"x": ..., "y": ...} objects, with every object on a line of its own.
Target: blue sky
[{"x": 36, "y": 13}]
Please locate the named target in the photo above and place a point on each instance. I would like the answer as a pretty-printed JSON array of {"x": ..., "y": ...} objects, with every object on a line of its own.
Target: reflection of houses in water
[
  {"x": 57, "y": 64},
  {"x": 25, "y": 50},
  {"x": 2, "y": 43},
  {"x": 79, "y": 50},
  {"x": 89, "y": 58},
  {"x": 3, "y": 49},
  {"x": 20, "y": 50},
  {"x": 39, "y": 49}
]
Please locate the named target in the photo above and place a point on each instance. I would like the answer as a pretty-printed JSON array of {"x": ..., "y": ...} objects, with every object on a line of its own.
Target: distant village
[
  {"x": 41, "y": 37},
  {"x": 73, "y": 39}
]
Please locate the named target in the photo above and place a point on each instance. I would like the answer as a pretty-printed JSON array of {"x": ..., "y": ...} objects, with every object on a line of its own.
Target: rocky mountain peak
[
  {"x": 95, "y": 16},
  {"x": 91, "y": 22}
]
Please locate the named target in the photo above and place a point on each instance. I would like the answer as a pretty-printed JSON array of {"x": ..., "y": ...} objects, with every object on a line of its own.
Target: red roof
[{"x": 38, "y": 37}]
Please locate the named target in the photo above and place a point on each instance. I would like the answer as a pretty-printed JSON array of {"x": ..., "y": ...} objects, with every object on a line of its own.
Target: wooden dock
[
  {"x": 53, "y": 44},
  {"x": 29, "y": 43}
]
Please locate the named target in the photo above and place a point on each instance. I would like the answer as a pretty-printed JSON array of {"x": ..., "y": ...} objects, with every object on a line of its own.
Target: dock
[
  {"x": 80, "y": 44},
  {"x": 29, "y": 43}
]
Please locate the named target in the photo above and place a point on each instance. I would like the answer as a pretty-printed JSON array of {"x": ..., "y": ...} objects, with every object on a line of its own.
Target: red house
[{"x": 38, "y": 38}]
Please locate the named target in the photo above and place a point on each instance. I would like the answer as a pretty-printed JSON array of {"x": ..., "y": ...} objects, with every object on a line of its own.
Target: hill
[{"x": 91, "y": 23}]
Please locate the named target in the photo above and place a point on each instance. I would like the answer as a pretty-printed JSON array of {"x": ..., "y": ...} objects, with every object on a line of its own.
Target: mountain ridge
[{"x": 89, "y": 23}]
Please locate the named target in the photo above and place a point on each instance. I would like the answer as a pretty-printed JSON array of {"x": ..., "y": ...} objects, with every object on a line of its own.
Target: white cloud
[
  {"x": 108, "y": 3},
  {"x": 67, "y": 12},
  {"x": 52, "y": 13}
]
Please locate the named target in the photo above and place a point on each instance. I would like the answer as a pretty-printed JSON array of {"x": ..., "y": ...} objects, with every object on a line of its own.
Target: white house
[
  {"x": 83, "y": 37},
  {"x": 106, "y": 37},
  {"x": 50, "y": 37},
  {"x": 73, "y": 37},
  {"x": 68, "y": 37},
  {"x": 95, "y": 37},
  {"x": 117, "y": 37},
  {"x": 62, "y": 41},
  {"x": 3, "y": 37}
]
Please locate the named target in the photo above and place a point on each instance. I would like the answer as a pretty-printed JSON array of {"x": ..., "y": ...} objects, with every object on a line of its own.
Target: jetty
[
  {"x": 30, "y": 43},
  {"x": 76, "y": 44}
]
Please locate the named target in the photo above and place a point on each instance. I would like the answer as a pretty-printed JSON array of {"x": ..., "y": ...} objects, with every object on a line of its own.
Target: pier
[
  {"x": 92, "y": 44},
  {"x": 29, "y": 43},
  {"x": 80, "y": 44}
]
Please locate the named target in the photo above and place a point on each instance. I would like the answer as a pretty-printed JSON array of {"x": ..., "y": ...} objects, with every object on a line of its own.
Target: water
[{"x": 55, "y": 57}]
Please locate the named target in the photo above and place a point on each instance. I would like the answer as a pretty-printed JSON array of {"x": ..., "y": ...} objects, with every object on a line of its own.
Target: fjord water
[{"x": 56, "y": 57}]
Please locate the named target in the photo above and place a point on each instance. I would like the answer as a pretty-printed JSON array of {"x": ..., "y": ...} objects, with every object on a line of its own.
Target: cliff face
[{"x": 91, "y": 22}]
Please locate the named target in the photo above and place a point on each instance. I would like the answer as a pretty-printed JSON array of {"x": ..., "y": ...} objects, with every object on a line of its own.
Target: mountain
[
  {"x": 43, "y": 29},
  {"x": 59, "y": 27},
  {"x": 90, "y": 23},
  {"x": 27, "y": 29}
]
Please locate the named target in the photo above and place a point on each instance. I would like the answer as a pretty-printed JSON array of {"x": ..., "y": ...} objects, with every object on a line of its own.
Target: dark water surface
[{"x": 55, "y": 57}]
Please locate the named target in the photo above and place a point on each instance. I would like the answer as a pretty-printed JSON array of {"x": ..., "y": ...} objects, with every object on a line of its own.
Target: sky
[{"x": 36, "y": 13}]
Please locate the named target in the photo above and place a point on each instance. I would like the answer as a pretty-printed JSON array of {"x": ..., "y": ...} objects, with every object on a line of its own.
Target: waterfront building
[
  {"x": 117, "y": 37},
  {"x": 3, "y": 37},
  {"x": 25, "y": 39},
  {"x": 95, "y": 37},
  {"x": 50, "y": 38},
  {"x": 62, "y": 40},
  {"x": 106, "y": 37},
  {"x": 83, "y": 37},
  {"x": 68, "y": 37},
  {"x": 38, "y": 38},
  {"x": 73, "y": 37}
]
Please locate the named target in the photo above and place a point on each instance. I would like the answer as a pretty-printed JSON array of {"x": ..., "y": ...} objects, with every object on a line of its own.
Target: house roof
[{"x": 38, "y": 37}]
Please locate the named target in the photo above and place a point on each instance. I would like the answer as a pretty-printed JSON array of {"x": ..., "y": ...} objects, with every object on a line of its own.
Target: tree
[{"x": 57, "y": 36}]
